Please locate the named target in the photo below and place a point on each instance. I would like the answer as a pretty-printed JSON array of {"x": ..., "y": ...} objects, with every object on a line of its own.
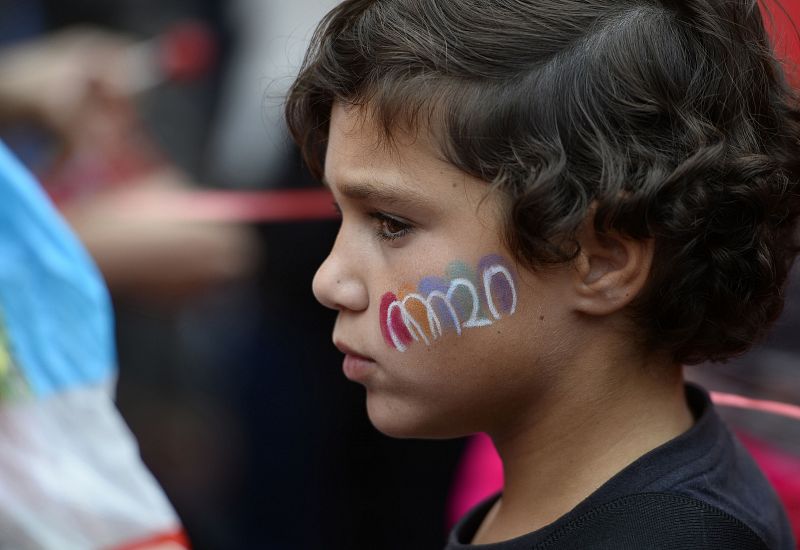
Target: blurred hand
[
  {"x": 155, "y": 257},
  {"x": 78, "y": 86},
  {"x": 72, "y": 83}
]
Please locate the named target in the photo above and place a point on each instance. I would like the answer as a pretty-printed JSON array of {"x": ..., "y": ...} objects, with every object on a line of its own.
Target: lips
[{"x": 356, "y": 366}]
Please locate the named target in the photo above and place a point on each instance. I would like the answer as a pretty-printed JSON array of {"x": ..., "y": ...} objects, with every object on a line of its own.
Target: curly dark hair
[{"x": 671, "y": 119}]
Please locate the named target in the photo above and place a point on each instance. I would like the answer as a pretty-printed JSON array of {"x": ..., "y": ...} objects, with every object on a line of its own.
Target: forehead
[
  {"x": 359, "y": 150},
  {"x": 407, "y": 172}
]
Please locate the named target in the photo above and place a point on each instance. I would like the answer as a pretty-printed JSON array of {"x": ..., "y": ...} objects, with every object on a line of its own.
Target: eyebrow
[{"x": 380, "y": 193}]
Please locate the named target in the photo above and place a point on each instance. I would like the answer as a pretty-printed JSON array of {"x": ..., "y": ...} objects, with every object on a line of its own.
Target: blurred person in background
[
  {"x": 67, "y": 101},
  {"x": 71, "y": 474},
  {"x": 71, "y": 105}
]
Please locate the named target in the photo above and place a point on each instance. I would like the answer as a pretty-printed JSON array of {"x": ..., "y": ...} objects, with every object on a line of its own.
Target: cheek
[
  {"x": 463, "y": 299},
  {"x": 392, "y": 322},
  {"x": 445, "y": 389}
]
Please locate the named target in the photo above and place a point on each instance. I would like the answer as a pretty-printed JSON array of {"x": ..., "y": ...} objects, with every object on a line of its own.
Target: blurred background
[{"x": 145, "y": 120}]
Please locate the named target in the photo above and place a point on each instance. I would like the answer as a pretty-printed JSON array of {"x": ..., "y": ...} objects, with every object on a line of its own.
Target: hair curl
[{"x": 671, "y": 118}]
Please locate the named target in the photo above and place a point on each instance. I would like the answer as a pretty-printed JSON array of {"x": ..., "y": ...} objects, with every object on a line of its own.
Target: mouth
[{"x": 356, "y": 366}]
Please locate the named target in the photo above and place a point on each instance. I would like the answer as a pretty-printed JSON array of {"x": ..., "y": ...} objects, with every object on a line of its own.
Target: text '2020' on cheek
[{"x": 464, "y": 298}]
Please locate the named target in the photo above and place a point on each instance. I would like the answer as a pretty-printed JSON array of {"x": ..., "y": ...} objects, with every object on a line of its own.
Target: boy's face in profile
[{"x": 436, "y": 319}]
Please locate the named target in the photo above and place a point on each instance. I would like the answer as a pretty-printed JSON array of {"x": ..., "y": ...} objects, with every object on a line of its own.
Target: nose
[{"x": 338, "y": 283}]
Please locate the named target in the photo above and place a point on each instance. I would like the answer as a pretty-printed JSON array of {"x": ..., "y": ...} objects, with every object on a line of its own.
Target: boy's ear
[{"x": 611, "y": 269}]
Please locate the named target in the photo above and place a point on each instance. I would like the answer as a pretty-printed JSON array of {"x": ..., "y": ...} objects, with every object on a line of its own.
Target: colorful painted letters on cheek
[{"x": 463, "y": 299}]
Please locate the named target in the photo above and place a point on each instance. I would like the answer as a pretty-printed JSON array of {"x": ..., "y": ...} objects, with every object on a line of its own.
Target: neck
[{"x": 591, "y": 431}]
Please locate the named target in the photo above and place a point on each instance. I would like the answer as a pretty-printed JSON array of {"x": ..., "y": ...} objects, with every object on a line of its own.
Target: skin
[{"x": 563, "y": 387}]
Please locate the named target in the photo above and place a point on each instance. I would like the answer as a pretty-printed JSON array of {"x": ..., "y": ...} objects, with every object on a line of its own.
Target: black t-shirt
[{"x": 701, "y": 490}]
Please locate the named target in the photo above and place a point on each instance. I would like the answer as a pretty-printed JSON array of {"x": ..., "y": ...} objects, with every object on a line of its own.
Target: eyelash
[
  {"x": 386, "y": 234},
  {"x": 382, "y": 220}
]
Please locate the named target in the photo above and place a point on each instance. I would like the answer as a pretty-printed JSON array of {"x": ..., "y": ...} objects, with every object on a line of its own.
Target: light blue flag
[
  {"x": 70, "y": 470},
  {"x": 54, "y": 306}
]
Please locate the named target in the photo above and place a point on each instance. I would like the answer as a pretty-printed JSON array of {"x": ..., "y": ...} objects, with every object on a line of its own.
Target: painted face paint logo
[{"x": 464, "y": 299}]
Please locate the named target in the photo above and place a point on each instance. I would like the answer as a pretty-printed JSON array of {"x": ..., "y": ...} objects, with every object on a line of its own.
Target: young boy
[{"x": 547, "y": 208}]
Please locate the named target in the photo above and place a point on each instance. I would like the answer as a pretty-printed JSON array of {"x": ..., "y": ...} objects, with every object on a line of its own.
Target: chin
[{"x": 401, "y": 420}]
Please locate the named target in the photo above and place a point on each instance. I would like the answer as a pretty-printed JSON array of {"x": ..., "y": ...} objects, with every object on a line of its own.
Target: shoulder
[{"x": 655, "y": 520}]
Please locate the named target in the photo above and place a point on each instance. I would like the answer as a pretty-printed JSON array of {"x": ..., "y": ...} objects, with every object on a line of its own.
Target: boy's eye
[{"x": 390, "y": 228}]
